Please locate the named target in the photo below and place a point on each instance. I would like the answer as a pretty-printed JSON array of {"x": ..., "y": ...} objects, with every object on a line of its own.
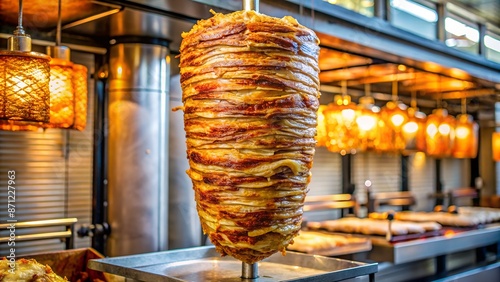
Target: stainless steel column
[{"x": 138, "y": 142}]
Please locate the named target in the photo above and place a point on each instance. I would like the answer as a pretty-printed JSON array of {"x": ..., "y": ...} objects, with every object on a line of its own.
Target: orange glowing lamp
[
  {"x": 341, "y": 127},
  {"x": 466, "y": 137},
  {"x": 440, "y": 134},
  {"x": 414, "y": 131},
  {"x": 68, "y": 91},
  {"x": 393, "y": 117},
  {"x": 367, "y": 121}
]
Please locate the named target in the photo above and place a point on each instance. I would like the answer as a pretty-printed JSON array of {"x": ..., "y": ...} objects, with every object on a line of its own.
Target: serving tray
[{"x": 205, "y": 264}]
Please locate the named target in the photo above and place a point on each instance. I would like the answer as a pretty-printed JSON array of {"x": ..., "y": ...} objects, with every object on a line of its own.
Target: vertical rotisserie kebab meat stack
[{"x": 250, "y": 91}]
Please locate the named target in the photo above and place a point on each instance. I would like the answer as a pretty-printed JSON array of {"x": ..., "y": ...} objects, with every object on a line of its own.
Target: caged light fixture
[
  {"x": 392, "y": 118},
  {"x": 341, "y": 127},
  {"x": 24, "y": 80},
  {"x": 68, "y": 87}
]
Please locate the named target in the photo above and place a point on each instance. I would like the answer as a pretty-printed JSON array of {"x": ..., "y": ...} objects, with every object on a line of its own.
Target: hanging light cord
[
  {"x": 414, "y": 99},
  {"x": 343, "y": 85},
  {"x": 368, "y": 91},
  {"x": 58, "y": 32},
  {"x": 395, "y": 91},
  {"x": 464, "y": 106},
  {"x": 19, "y": 30}
]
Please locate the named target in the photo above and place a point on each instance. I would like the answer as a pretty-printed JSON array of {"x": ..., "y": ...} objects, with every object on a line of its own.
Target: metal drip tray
[{"x": 205, "y": 264}]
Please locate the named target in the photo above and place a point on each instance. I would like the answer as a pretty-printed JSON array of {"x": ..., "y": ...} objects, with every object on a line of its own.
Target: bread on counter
[
  {"x": 320, "y": 243},
  {"x": 370, "y": 226},
  {"x": 460, "y": 217},
  {"x": 27, "y": 270}
]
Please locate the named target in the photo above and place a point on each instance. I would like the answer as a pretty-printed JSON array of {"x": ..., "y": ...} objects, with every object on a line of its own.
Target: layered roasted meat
[{"x": 250, "y": 92}]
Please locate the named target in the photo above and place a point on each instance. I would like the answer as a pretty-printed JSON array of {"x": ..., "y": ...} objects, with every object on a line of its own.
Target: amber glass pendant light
[
  {"x": 62, "y": 97},
  {"x": 440, "y": 133},
  {"x": 80, "y": 88},
  {"x": 68, "y": 108},
  {"x": 341, "y": 127},
  {"x": 367, "y": 121},
  {"x": 24, "y": 80},
  {"x": 466, "y": 135},
  {"x": 414, "y": 129},
  {"x": 392, "y": 118}
]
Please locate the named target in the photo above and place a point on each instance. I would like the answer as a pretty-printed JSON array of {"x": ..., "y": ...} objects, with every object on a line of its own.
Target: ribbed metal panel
[
  {"x": 383, "y": 170},
  {"x": 53, "y": 176},
  {"x": 421, "y": 174},
  {"x": 455, "y": 173},
  {"x": 326, "y": 179},
  {"x": 326, "y": 173}
]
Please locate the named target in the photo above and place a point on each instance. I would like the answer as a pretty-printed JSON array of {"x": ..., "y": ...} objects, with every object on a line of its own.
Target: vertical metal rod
[
  {"x": 58, "y": 29},
  {"x": 249, "y": 5},
  {"x": 249, "y": 270},
  {"x": 20, "y": 16}
]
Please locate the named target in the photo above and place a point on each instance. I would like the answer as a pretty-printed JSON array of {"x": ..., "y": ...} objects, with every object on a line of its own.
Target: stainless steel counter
[
  {"x": 432, "y": 247},
  {"x": 205, "y": 264}
]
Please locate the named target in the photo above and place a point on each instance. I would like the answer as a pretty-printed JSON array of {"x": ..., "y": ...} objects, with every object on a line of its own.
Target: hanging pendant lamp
[
  {"x": 414, "y": 129},
  {"x": 367, "y": 121},
  {"x": 466, "y": 135},
  {"x": 80, "y": 74},
  {"x": 62, "y": 96},
  {"x": 68, "y": 87},
  {"x": 392, "y": 118},
  {"x": 341, "y": 127},
  {"x": 440, "y": 134},
  {"x": 24, "y": 79}
]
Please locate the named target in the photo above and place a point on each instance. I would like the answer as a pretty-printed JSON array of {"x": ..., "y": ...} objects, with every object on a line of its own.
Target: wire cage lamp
[{"x": 24, "y": 80}]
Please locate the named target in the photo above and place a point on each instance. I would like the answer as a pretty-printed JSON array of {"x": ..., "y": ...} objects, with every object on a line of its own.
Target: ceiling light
[
  {"x": 367, "y": 122},
  {"x": 392, "y": 118},
  {"x": 440, "y": 134},
  {"x": 341, "y": 127},
  {"x": 68, "y": 108},
  {"x": 24, "y": 80},
  {"x": 466, "y": 135}
]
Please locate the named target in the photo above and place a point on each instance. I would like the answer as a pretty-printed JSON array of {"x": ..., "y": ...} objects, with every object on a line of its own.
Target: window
[
  {"x": 416, "y": 17},
  {"x": 492, "y": 44},
  {"x": 461, "y": 34},
  {"x": 363, "y": 7}
]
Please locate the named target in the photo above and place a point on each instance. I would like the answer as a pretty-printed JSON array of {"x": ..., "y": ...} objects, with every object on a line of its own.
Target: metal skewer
[
  {"x": 249, "y": 5},
  {"x": 250, "y": 270}
]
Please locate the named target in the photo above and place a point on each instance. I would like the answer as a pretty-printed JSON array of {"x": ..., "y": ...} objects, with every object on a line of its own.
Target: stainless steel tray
[{"x": 205, "y": 264}]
